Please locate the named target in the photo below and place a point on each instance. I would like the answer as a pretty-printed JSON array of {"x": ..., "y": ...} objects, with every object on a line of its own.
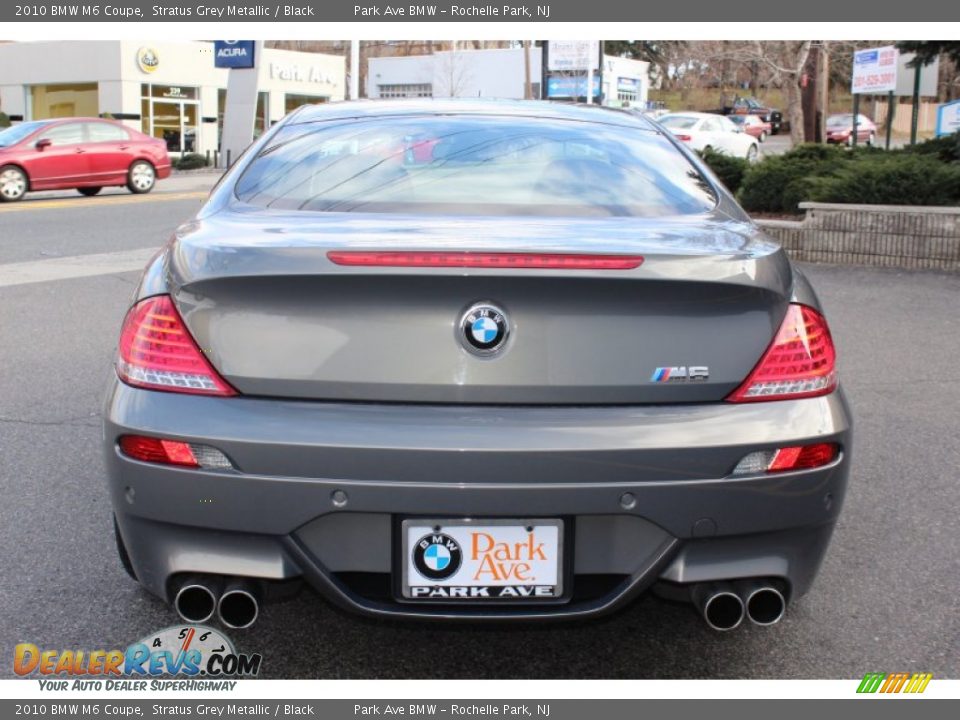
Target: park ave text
[
  {"x": 420, "y": 710},
  {"x": 454, "y": 11}
]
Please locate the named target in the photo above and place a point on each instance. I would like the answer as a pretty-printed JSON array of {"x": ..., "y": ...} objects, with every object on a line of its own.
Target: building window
[
  {"x": 260, "y": 123},
  {"x": 57, "y": 101},
  {"x": 291, "y": 101},
  {"x": 421, "y": 90}
]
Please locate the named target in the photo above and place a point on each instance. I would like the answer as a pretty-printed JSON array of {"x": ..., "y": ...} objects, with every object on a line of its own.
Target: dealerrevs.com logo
[{"x": 181, "y": 651}]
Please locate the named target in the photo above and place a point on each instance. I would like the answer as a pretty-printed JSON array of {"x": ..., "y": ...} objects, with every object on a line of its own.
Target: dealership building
[
  {"x": 501, "y": 73},
  {"x": 168, "y": 90}
]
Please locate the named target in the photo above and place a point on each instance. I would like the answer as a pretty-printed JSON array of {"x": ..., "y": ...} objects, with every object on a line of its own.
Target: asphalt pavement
[{"x": 886, "y": 599}]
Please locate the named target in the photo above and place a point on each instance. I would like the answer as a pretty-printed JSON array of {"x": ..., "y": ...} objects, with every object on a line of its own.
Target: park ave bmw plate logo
[{"x": 455, "y": 560}]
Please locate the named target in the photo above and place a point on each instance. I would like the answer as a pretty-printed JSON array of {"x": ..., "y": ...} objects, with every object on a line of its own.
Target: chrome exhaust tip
[
  {"x": 765, "y": 605},
  {"x": 721, "y": 607},
  {"x": 239, "y": 607},
  {"x": 195, "y": 601}
]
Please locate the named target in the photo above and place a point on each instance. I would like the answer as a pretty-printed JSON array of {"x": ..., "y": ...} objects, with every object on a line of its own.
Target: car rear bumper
[{"x": 320, "y": 489}]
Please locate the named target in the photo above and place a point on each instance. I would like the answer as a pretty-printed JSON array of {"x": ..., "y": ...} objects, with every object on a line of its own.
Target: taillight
[
  {"x": 800, "y": 362},
  {"x": 173, "y": 452},
  {"x": 796, "y": 457},
  {"x": 157, "y": 352},
  {"x": 684, "y": 138},
  {"x": 492, "y": 260}
]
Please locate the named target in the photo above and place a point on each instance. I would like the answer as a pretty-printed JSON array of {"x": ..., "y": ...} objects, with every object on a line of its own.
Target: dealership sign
[
  {"x": 875, "y": 70},
  {"x": 233, "y": 53},
  {"x": 578, "y": 55},
  {"x": 948, "y": 118}
]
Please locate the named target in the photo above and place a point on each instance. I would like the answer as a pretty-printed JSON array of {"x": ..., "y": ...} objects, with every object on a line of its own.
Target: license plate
[{"x": 482, "y": 560}]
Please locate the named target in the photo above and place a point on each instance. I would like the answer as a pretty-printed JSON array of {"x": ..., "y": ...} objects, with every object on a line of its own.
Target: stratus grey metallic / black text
[{"x": 459, "y": 359}]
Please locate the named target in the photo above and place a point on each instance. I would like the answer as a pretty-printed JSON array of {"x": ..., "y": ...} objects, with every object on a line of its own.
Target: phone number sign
[{"x": 875, "y": 70}]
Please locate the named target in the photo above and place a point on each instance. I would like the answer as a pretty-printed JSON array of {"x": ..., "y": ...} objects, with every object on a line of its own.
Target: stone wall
[{"x": 886, "y": 235}]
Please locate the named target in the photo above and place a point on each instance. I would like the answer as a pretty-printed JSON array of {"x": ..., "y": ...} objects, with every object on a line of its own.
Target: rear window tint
[{"x": 474, "y": 165}]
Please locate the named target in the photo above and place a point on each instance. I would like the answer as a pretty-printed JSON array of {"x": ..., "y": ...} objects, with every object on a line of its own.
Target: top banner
[{"x": 447, "y": 11}]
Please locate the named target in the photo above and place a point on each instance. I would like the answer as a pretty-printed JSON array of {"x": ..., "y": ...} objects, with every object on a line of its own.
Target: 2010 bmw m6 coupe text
[{"x": 460, "y": 359}]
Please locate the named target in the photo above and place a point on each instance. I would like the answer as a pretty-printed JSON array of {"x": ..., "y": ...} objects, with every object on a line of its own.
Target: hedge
[
  {"x": 191, "y": 161},
  {"x": 728, "y": 169},
  {"x": 4, "y": 120},
  {"x": 923, "y": 174}
]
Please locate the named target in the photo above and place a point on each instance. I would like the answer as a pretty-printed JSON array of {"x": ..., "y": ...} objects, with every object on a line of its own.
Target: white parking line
[{"x": 74, "y": 266}]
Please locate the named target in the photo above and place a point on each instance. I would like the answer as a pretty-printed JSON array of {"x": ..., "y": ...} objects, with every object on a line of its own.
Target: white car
[{"x": 702, "y": 131}]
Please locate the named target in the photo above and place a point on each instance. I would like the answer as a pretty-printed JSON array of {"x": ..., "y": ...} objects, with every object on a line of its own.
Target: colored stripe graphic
[{"x": 894, "y": 682}]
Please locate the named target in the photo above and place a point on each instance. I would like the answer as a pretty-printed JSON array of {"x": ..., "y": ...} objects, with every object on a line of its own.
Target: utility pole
[
  {"x": 915, "y": 117},
  {"x": 527, "y": 88}
]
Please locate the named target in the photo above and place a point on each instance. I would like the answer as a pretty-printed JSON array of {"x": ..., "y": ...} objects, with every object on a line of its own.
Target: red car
[
  {"x": 753, "y": 125},
  {"x": 840, "y": 129},
  {"x": 88, "y": 154}
]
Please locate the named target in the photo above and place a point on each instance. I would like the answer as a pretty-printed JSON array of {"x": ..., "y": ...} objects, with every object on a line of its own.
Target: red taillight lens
[
  {"x": 506, "y": 261},
  {"x": 796, "y": 457},
  {"x": 684, "y": 138},
  {"x": 155, "y": 450},
  {"x": 157, "y": 352},
  {"x": 805, "y": 456},
  {"x": 801, "y": 361}
]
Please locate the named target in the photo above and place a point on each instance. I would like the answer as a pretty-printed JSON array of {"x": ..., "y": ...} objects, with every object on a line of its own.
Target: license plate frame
[{"x": 404, "y": 582}]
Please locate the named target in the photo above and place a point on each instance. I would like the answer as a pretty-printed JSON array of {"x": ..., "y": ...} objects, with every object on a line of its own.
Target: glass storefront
[
  {"x": 59, "y": 101},
  {"x": 260, "y": 123},
  {"x": 291, "y": 102},
  {"x": 172, "y": 114}
]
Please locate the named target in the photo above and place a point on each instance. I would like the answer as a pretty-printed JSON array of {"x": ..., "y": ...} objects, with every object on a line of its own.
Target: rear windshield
[
  {"x": 474, "y": 165},
  {"x": 678, "y": 122}
]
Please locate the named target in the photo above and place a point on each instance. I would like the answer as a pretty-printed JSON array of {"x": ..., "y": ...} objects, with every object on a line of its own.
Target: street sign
[
  {"x": 929, "y": 77},
  {"x": 233, "y": 53},
  {"x": 948, "y": 118},
  {"x": 573, "y": 55},
  {"x": 571, "y": 86},
  {"x": 875, "y": 71}
]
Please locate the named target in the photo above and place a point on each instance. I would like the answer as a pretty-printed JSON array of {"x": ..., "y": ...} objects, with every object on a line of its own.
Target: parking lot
[{"x": 886, "y": 599}]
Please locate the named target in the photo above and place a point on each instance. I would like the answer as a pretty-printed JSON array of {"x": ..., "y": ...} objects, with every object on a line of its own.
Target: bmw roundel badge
[
  {"x": 484, "y": 329},
  {"x": 437, "y": 556}
]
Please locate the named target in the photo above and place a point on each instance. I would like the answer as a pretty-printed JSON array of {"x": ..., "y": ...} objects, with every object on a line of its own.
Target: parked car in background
[
  {"x": 753, "y": 125},
  {"x": 840, "y": 129},
  {"x": 706, "y": 131},
  {"x": 88, "y": 154},
  {"x": 752, "y": 106}
]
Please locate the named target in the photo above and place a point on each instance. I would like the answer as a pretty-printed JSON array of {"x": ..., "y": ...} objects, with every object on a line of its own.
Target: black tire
[
  {"x": 872, "y": 140},
  {"x": 141, "y": 177},
  {"x": 763, "y": 136},
  {"x": 89, "y": 191},
  {"x": 753, "y": 153},
  {"x": 14, "y": 183},
  {"x": 122, "y": 550}
]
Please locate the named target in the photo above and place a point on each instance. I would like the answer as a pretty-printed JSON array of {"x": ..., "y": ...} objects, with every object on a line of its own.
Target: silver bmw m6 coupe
[{"x": 474, "y": 360}]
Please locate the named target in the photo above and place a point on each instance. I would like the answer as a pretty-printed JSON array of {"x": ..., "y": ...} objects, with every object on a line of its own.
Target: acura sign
[{"x": 233, "y": 53}]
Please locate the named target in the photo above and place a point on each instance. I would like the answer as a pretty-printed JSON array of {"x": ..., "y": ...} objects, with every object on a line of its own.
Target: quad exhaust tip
[
  {"x": 765, "y": 605},
  {"x": 238, "y": 607},
  {"x": 195, "y": 601},
  {"x": 721, "y": 607}
]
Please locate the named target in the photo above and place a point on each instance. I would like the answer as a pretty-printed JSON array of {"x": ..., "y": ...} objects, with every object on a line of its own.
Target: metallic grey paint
[{"x": 334, "y": 398}]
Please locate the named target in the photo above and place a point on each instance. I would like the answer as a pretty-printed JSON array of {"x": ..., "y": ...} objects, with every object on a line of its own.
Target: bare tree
[
  {"x": 453, "y": 70},
  {"x": 787, "y": 59}
]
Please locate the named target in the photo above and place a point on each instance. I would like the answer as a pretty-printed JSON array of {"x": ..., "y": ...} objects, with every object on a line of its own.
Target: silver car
[{"x": 474, "y": 360}]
